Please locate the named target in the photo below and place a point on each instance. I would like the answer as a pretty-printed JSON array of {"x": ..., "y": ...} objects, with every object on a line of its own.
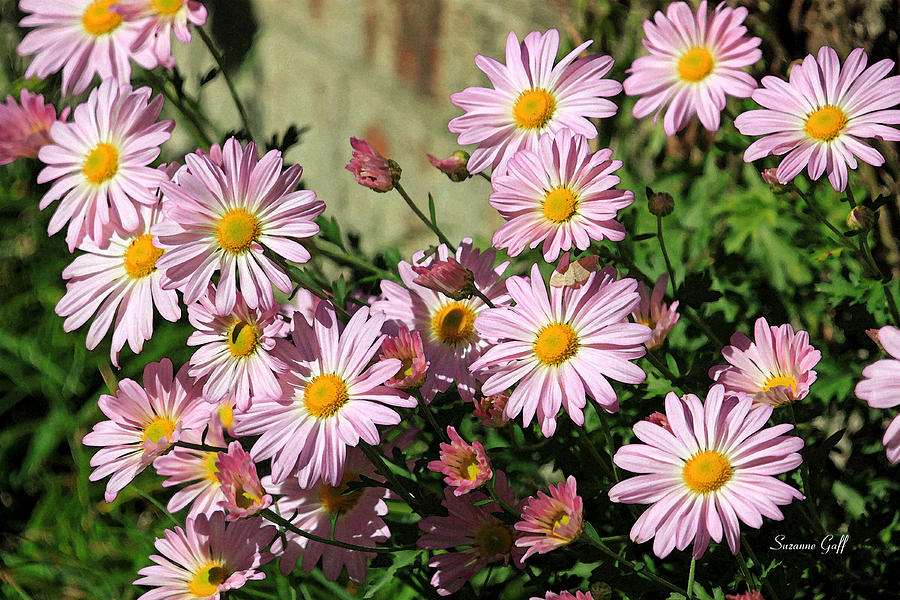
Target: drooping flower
[
  {"x": 492, "y": 409},
  {"x": 99, "y": 163},
  {"x": 118, "y": 282},
  {"x": 158, "y": 20},
  {"x": 531, "y": 96},
  {"x": 209, "y": 556},
  {"x": 713, "y": 469},
  {"x": 25, "y": 126},
  {"x": 240, "y": 350},
  {"x": 454, "y": 166},
  {"x": 465, "y": 465},
  {"x": 406, "y": 347},
  {"x": 775, "y": 368},
  {"x": 143, "y": 423},
  {"x": 447, "y": 277},
  {"x": 558, "y": 193},
  {"x": 447, "y": 326},
  {"x": 553, "y": 521},
  {"x": 474, "y": 531},
  {"x": 578, "y": 595},
  {"x": 331, "y": 399},
  {"x": 370, "y": 168},
  {"x": 244, "y": 494},
  {"x": 558, "y": 347},
  {"x": 222, "y": 218},
  {"x": 819, "y": 115},
  {"x": 694, "y": 62},
  {"x": 357, "y": 520},
  {"x": 196, "y": 471},
  {"x": 880, "y": 387},
  {"x": 654, "y": 313},
  {"x": 83, "y": 38}
]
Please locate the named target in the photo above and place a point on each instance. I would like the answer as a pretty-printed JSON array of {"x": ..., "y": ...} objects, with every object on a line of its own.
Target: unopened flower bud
[
  {"x": 371, "y": 169},
  {"x": 860, "y": 219},
  {"x": 447, "y": 277},
  {"x": 660, "y": 204},
  {"x": 771, "y": 179},
  {"x": 658, "y": 418},
  {"x": 600, "y": 590},
  {"x": 454, "y": 166}
]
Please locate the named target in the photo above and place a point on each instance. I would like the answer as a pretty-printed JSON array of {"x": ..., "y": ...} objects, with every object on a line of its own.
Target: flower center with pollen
[
  {"x": 555, "y": 344},
  {"x": 468, "y": 468},
  {"x": 706, "y": 471},
  {"x": 140, "y": 256},
  {"x": 493, "y": 539},
  {"x": 559, "y": 204},
  {"x": 695, "y": 64},
  {"x": 207, "y": 579},
  {"x": 337, "y": 500},
  {"x": 167, "y": 7},
  {"x": 210, "y": 468},
  {"x": 780, "y": 380},
  {"x": 325, "y": 395},
  {"x": 101, "y": 164},
  {"x": 453, "y": 323},
  {"x": 98, "y": 19},
  {"x": 237, "y": 231},
  {"x": 243, "y": 338},
  {"x": 825, "y": 123},
  {"x": 534, "y": 108},
  {"x": 159, "y": 428}
]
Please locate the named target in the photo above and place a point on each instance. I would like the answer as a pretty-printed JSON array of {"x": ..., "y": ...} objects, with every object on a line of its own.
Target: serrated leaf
[{"x": 331, "y": 231}]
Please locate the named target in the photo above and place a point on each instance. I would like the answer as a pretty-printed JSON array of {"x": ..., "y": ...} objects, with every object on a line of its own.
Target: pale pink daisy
[
  {"x": 565, "y": 596},
  {"x": 694, "y": 62},
  {"x": 713, "y": 469},
  {"x": 83, "y": 38},
  {"x": 206, "y": 558},
  {"x": 558, "y": 193},
  {"x": 473, "y": 529},
  {"x": 196, "y": 471},
  {"x": 654, "y": 312},
  {"x": 553, "y": 521},
  {"x": 532, "y": 96},
  {"x": 880, "y": 387},
  {"x": 25, "y": 126},
  {"x": 558, "y": 347},
  {"x": 492, "y": 409},
  {"x": 775, "y": 368},
  {"x": 240, "y": 350},
  {"x": 143, "y": 423},
  {"x": 465, "y": 465},
  {"x": 158, "y": 20},
  {"x": 222, "y": 218},
  {"x": 119, "y": 281},
  {"x": 447, "y": 326},
  {"x": 99, "y": 163},
  {"x": 244, "y": 494},
  {"x": 406, "y": 347},
  {"x": 357, "y": 520},
  {"x": 819, "y": 115},
  {"x": 332, "y": 398}
]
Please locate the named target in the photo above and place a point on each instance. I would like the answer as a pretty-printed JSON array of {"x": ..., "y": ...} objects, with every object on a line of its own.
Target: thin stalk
[
  {"x": 155, "y": 503},
  {"x": 375, "y": 458},
  {"x": 592, "y": 449},
  {"x": 108, "y": 376},
  {"x": 886, "y": 285},
  {"x": 770, "y": 589},
  {"x": 269, "y": 515},
  {"x": 661, "y": 367},
  {"x": 499, "y": 500},
  {"x": 642, "y": 572},
  {"x": 425, "y": 409},
  {"x": 701, "y": 324},
  {"x": 690, "y": 585},
  {"x": 819, "y": 215},
  {"x": 299, "y": 281},
  {"x": 352, "y": 261},
  {"x": 412, "y": 205},
  {"x": 745, "y": 572},
  {"x": 200, "y": 447},
  {"x": 609, "y": 440},
  {"x": 200, "y": 134},
  {"x": 806, "y": 477},
  {"x": 217, "y": 56},
  {"x": 483, "y": 298},
  {"x": 662, "y": 247},
  {"x": 485, "y": 175}
]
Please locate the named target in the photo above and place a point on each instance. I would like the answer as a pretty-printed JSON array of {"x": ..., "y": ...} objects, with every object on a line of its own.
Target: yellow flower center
[
  {"x": 98, "y": 19},
  {"x": 167, "y": 7},
  {"x": 825, "y": 123},
  {"x": 226, "y": 415},
  {"x": 695, "y": 64},
  {"x": 469, "y": 469},
  {"x": 140, "y": 256},
  {"x": 337, "y": 500},
  {"x": 206, "y": 581},
  {"x": 783, "y": 380},
  {"x": 243, "y": 338},
  {"x": 555, "y": 344},
  {"x": 534, "y": 108},
  {"x": 101, "y": 164},
  {"x": 559, "y": 204},
  {"x": 209, "y": 465},
  {"x": 159, "y": 428},
  {"x": 237, "y": 231},
  {"x": 493, "y": 539},
  {"x": 325, "y": 395},
  {"x": 453, "y": 323},
  {"x": 706, "y": 471}
]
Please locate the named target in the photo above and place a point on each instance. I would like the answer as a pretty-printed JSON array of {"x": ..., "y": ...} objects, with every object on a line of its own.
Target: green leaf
[
  {"x": 431, "y": 210},
  {"x": 331, "y": 231},
  {"x": 401, "y": 559}
]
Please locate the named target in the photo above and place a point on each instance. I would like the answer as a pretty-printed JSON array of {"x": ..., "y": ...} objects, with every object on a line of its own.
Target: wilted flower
[{"x": 371, "y": 169}]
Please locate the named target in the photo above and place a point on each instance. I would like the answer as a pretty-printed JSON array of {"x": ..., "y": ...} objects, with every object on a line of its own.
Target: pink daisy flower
[
  {"x": 776, "y": 368},
  {"x": 531, "y": 96},
  {"x": 222, "y": 218},
  {"x": 143, "y": 423},
  {"x": 561, "y": 346},
  {"x": 83, "y": 38},
  {"x": 465, "y": 465},
  {"x": 206, "y": 558},
  {"x": 559, "y": 193},
  {"x": 654, "y": 313},
  {"x": 406, "y": 347},
  {"x": 880, "y": 387},
  {"x": 554, "y": 520},
  {"x": 447, "y": 326},
  {"x": 330, "y": 400},
  {"x": 357, "y": 520},
  {"x": 158, "y": 20},
  {"x": 195, "y": 470},
  {"x": 25, "y": 126},
  {"x": 240, "y": 350},
  {"x": 474, "y": 531},
  {"x": 492, "y": 409},
  {"x": 565, "y": 596},
  {"x": 99, "y": 163},
  {"x": 694, "y": 61},
  {"x": 713, "y": 469},
  {"x": 819, "y": 115},
  {"x": 244, "y": 494},
  {"x": 121, "y": 281}
]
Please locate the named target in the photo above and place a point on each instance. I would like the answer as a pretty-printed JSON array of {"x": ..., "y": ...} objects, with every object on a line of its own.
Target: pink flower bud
[
  {"x": 371, "y": 169},
  {"x": 454, "y": 166},
  {"x": 770, "y": 177},
  {"x": 660, "y": 419},
  {"x": 447, "y": 277},
  {"x": 492, "y": 409},
  {"x": 244, "y": 494}
]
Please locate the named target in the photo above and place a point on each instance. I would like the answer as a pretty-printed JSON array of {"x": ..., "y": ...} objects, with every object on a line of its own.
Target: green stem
[
  {"x": 425, "y": 409},
  {"x": 234, "y": 96},
  {"x": 592, "y": 449},
  {"x": 819, "y": 215},
  {"x": 609, "y": 440},
  {"x": 350, "y": 260},
  {"x": 299, "y": 281},
  {"x": 200, "y": 134},
  {"x": 200, "y": 447},
  {"x": 770, "y": 589},
  {"x": 806, "y": 478},
  {"x": 483, "y": 298},
  {"x": 661, "y": 367},
  {"x": 412, "y": 205},
  {"x": 499, "y": 500},
  {"x": 108, "y": 376},
  {"x": 640, "y": 571},
  {"x": 485, "y": 175},
  {"x": 662, "y": 247},
  {"x": 745, "y": 572},
  {"x": 375, "y": 458},
  {"x": 701, "y": 324},
  {"x": 690, "y": 585},
  {"x": 279, "y": 520}
]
